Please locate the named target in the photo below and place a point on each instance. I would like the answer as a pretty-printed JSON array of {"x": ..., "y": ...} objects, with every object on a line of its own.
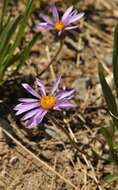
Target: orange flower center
[
  {"x": 47, "y": 102},
  {"x": 59, "y": 25}
]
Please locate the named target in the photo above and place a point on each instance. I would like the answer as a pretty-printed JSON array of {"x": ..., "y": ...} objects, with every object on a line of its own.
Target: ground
[{"x": 77, "y": 62}]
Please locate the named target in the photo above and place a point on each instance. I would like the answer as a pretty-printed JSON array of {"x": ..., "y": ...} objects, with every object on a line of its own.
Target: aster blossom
[
  {"x": 70, "y": 16},
  {"x": 34, "y": 109}
]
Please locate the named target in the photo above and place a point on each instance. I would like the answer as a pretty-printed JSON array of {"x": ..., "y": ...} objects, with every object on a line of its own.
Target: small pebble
[{"x": 13, "y": 160}]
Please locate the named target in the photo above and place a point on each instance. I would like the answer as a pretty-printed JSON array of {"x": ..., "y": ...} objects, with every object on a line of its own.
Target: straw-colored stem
[{"x": 54, "y": 58}]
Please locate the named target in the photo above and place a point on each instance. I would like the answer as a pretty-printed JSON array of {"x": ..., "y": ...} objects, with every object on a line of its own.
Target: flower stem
[{"x": 54, "y": 58}]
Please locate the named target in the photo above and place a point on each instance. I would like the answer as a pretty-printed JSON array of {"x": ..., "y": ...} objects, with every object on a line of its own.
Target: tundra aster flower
[
  {"x": 60, "y": 24},
  {"x": 36, "y": 108}
]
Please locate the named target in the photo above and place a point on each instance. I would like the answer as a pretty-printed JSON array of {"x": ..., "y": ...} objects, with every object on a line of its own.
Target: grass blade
[
  {"x": 22, "y": 26},
  {"x": 115, "y": 59},
  {"x": 24, "y": 55},
  {"x": 4, "y": 12},
  {"x": 20, "y": 58},
  {"x": 108, "y": 136},
  {"x": 110, "y": 178},
  {"x": 110, "y": 100},
  {"x": 8, "y": 33}
]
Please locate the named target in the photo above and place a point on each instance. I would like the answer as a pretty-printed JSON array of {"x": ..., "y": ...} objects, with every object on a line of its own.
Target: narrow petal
[
  {"x": 40, "y": 118},
  {"x": 44, "y": 25},
  {"x": 30, "y": 90},
  {"x": 24, "y": 108},
  {"x": 65, "y": 105},
  {"x": 42, "y": 87},
  {"x": 70, "y": 27},
  {"x": 54, "y": 11},
  {"x": 41, "y": 24},
  {"x": 55, "y": 86},
  {"x": 65, "y": 94},
  {"x": 28, "y": 100},
  {"x": 66, "y": 14},
  {"x": 30, "y": 123},
  {"x": 76, "y": 17},
  {"x": 47, "y": 19},
  {"x": 23, "y": 104},
  {"x": 18, "y": 106},
  {"x": 34, "y": 121},
  {"x": 74, "y": 12},
  {"x": 30, "y": 114}
]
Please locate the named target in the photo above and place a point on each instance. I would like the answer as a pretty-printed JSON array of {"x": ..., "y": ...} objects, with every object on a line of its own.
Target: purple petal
[
  {"x": 18, "y": 106},
  {"x": 66, "y": 14},
  {"x": 30, "y": 114},
  {"x": 37, "y": 118},
  {"x": 65, "y": 105},
  {"x": 74, "y": 12},
  {"x": 76, "y": 17},
  {"x": 47, "y": 19},
  {"x": 65, "y": 94},
  {"x": 44, "y": 25},
  {"x": 55, "y": 86},
  {"x": 70, "y": 27},
  {"x": 27, "y": 100},
  {"x": 54, "y": 11},
  {"x": 30, "y": 123},
  {"x": 40, "y": 117},
  {"x": 41, "y": 24},
  {"x": 42, "y": 87},
  {"x": 30, "y": 90},
  {"x": 23, "y": 108}
]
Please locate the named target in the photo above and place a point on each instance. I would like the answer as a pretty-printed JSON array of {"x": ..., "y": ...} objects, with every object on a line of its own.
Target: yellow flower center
[
  {"x": 47, "y": 102},
  {"x": 59, "y": 25}
]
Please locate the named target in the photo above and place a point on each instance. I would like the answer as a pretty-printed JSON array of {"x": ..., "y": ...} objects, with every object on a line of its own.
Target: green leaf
[
  {"x": 5, "y": 24},
  {"x": 8, "y": 62},
  {"x": 115, "y": 59},
  {"x": 3, "y": 33},
  {"x": 22, "y": 26},
  {"x": 110, "y": 178},
  {"x": 110, "y": 100},
  {"x": 24, "y": 55},
  {"x": 108, "y": 136},
  {"x": 8, "y": 32},
  {"x": 11, "y": 34},
  {"x": 4, "y": 12},
  {"x": 20, "y": 58}
]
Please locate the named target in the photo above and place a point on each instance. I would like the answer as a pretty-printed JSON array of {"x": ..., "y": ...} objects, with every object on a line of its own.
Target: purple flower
[
  {"x": 36, "y": 108},
  {"x": 65, "y": 23}
]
